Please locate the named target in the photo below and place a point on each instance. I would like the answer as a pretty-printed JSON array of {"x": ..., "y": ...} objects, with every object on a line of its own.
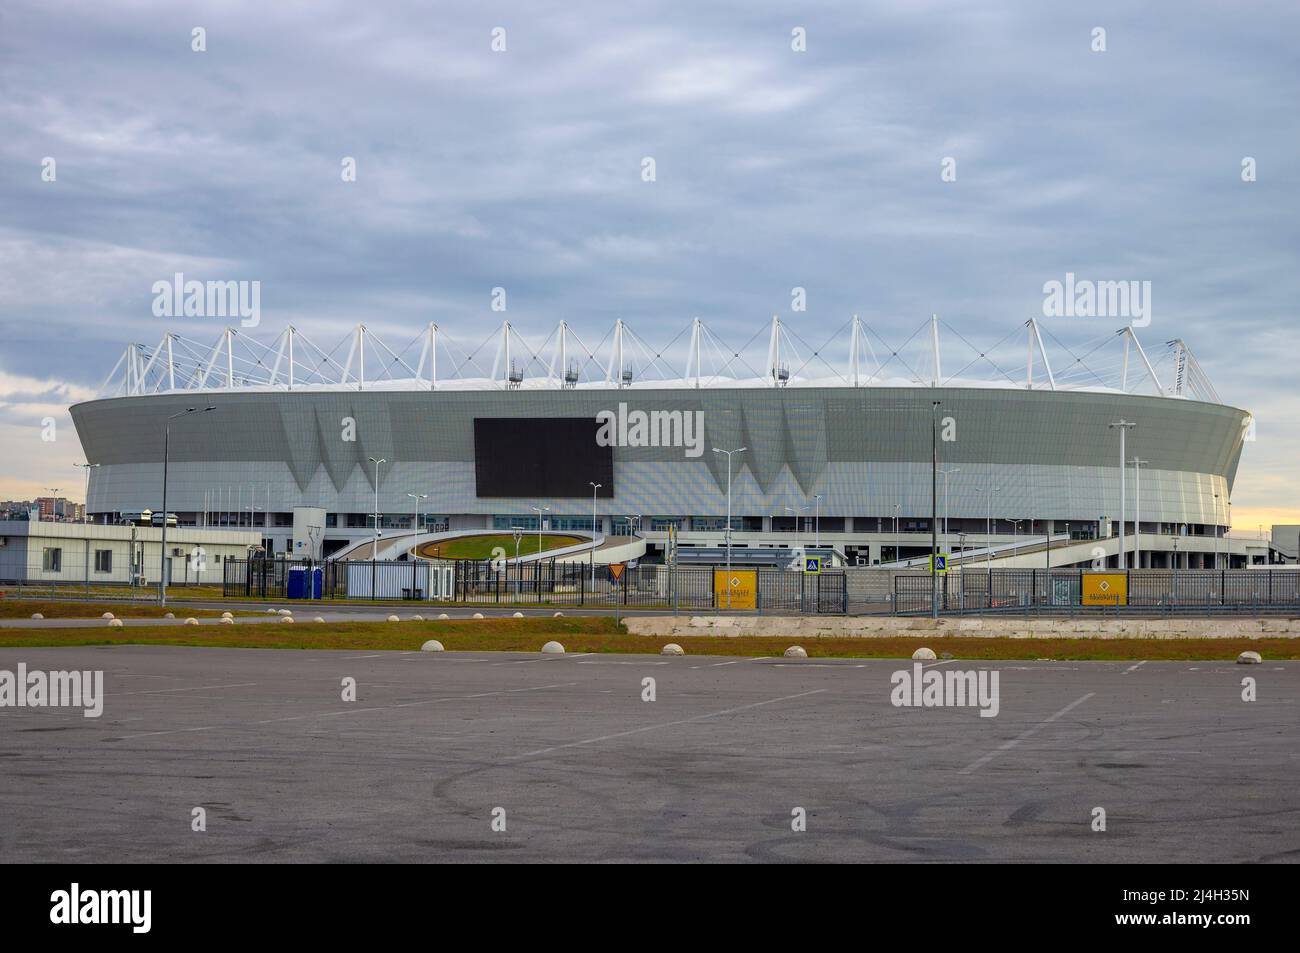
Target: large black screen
[{"x": 540, "y": 457}]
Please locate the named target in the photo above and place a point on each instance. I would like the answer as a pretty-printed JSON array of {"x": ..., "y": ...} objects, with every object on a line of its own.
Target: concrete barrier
[{"x": 1015, "y": 627}]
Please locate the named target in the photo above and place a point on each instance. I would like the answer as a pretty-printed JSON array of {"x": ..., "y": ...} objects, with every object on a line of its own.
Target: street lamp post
[
  {"x": 934, "y": 506},
  {"x": 167, "y": 437},
  {"x": 946, "y": 473},
  {"x": 87, "y": 466},
  {"x": 539, "y": 510},
  {"x": 594, "y": 488},
  {"x": 1227, "y": 543},
  {"x": 988, "y": 525},
  {"x": 1138, "y": 464},
  {"x": 1123, "y": 426},
  {"x": 518, "y": 533},
  {"x": 374, "y": 549},
  {"x": 415, "y": 506},
  {"x": 817, "y": 521},
  {"x": 1015, "y": 536},
  {"x": 54, "y": 498},
  {"x": 728, "y": 532},
  {"x": 1175, "y": 538},
  {"x": 796, "y": 510}
]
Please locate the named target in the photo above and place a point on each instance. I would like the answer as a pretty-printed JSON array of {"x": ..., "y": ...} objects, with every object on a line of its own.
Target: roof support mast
[
  {"x": 693, "y": 357},
  {"x": 1143, "y": 354},
  {"x": 1036, "y": 338},
  {"x": 934, "y": 347},
  {"x": 615, "y": 365},
  {"x": 230, "y": 358},
  {"x": 171, "y": 364},
  {"x": 774, "y": 352},
  {"x": 854, "y": 346}
]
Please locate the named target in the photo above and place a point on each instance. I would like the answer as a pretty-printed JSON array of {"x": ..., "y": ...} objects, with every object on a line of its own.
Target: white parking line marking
[
  {"x": 354, "y": 711},
  {"x": 172, "y": 731},
  {"x": 1008, "y": 745},
  {"x": 1132, "y": 667},
  {"x": 546, "y": 658},
  {"x": 670, "y": 724},
  {"x": 628, "y": 663},
  {"x": 168, "y": 691}
]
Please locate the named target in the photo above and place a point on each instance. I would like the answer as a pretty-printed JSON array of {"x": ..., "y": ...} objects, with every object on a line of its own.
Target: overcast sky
[{"x": 523, "y": 169}]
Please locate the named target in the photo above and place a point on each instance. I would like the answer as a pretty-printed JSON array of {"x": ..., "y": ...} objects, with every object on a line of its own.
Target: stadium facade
[{"x": 843, "y": 458}]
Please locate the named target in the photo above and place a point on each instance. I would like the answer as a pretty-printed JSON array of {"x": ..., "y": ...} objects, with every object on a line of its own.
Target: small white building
[{"x": 91, "y": 553}]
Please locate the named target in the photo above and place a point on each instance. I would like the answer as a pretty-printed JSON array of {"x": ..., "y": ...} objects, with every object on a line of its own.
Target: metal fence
[
  {"x": 1061, "y": 590},
  {"x": 543, "y": 582}
]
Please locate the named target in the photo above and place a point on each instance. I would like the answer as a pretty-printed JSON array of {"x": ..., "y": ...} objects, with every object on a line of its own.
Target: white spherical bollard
[
  {"x": 286, "y": 618},
  {"x": 518, "y": 615},
  {"x": 672, "y": 648},
  {"x": 796, "y": 651},
  {"x": 1249, "y": 658},
  {"x": 319, "y": 619},
  {"x": 227, "y": 615},
  {"x": 169, "y": 615},
  {"x": 37, "y": 615},
  {"x": 477, "y": 615},
  {"x": 393, "y": 618},
  {"x": 226, "y": 620},
  {"x": 417, "y": 618},
  {"x": 116, "y": 623},
  {"x": 557, "y": 615},
  {"x": 270, "y": 612},
  {"x": 191, "y": 621},
  {"x": 553, "y": 648},
  {"x": 433, "y": 645},
  {"x": 108, "y": 615},
  {"x": 443, "y": 615},
  {"x": 924, "y": 655},
  {"x": 284, "y": 612}
]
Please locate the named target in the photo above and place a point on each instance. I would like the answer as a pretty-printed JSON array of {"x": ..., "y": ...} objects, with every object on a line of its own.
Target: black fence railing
[
  {"x": 1147, "y": 590},
  {"x": 543, "y": 582}
]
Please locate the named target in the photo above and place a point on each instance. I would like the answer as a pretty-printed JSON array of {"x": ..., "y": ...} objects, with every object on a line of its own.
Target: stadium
[{"x": 832, "y": 443}]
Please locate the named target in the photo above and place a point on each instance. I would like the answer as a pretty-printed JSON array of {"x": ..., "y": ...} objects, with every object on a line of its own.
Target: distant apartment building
[{"x": 57, "y": 508}]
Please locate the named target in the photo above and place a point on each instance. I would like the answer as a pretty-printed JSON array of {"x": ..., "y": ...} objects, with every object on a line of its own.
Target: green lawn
[{"x": 480, "y": 547}]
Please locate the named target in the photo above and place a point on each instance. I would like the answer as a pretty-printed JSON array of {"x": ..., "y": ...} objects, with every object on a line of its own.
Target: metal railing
[
  {"x": 540, "y": 582},
  {"x": 1063, "y": 590}
]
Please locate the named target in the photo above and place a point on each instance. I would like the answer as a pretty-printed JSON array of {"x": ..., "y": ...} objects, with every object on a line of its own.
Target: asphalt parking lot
[{"x": 564, "y": 749}]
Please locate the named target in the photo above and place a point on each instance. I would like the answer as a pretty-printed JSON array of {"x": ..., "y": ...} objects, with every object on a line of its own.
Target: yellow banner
[
  {"x": 743, "y": 589},
  {"x": 1105, "y": 589}
]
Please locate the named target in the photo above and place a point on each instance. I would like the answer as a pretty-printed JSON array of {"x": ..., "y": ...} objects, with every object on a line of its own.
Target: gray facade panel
[{"x": 864, "y": 450}]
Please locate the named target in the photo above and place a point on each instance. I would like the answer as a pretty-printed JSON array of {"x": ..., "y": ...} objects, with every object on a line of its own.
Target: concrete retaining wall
[{"x": 1016, "y": 628}]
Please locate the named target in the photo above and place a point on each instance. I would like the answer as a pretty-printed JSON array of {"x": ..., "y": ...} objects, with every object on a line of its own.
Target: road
[{"x": 716, "y": 768}]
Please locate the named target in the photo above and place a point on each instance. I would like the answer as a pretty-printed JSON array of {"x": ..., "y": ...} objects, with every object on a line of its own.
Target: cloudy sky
[{"x": 774, "y": 169}]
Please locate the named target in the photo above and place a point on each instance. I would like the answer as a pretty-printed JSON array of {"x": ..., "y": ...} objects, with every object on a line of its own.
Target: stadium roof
[{"x": 855, "y": 355}]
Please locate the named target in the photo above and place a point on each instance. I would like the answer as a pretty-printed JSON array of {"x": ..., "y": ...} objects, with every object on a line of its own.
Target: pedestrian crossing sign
[
  {"x": 939, "y": 563},
  {"x": 812, "y": 564}
]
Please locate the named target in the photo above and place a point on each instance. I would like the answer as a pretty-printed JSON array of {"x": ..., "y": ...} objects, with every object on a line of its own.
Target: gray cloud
[{"x": 775, "y": 169}]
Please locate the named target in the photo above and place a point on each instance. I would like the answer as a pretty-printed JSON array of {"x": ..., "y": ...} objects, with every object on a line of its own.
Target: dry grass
[
  {"x": 58, "y": 609},
  {"x": 601, "y": 635}
]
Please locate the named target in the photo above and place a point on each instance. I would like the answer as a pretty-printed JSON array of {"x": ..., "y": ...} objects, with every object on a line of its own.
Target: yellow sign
[
  {"x": 616, "y": 570},
  {"x": 1105, "y": 589},
  {"x": 743, "y": 589}
]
